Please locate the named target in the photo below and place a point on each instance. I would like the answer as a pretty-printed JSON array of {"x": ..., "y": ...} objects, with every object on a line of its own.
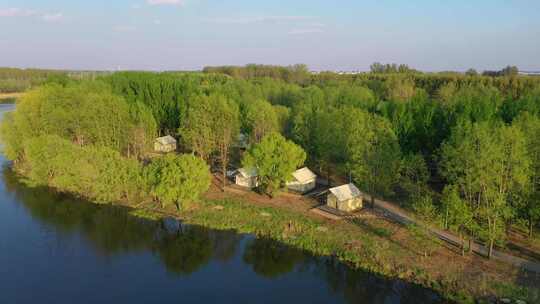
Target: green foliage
[
  {"x": 260, "y": 119},
  {"x": 414, "y": 176},
  {"x": 489, "y": 166},
  {"x": 177, "y": 180},
  {"x": 529, "y": 204},
  {"x": 294, "y": 74},
  {"x": 458, "y": 214},
  {"x": 275, "y": 159},
  {"x": 423, "y": 205},
  {"x": 96, "y": 173},
  {"x": 399, "y": 89},
  {"x": 211, "y": 124},
  {"x": 376, "y": 157},
  {"x": 85, "y": 114},
  {"x": 476, "y": 135},
  {"x": 19, "y": 80},
  {"x": 426, "y": 242}
]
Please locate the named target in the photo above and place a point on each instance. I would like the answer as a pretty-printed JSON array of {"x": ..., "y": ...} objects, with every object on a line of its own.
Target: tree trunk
[
  {"x": 462, "y": 244},
  {"x": 328, "y": 176},
  {"x": 531, "y": 227},
  {"x": 470, "y": 245},
  {"x": 446, "y": 219},
  {"x": 490, "y": 249},
  {"x": 224, "y": 178}
]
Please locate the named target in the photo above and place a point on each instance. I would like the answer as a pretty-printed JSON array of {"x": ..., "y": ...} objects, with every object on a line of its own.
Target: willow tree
[
  {"x": 177, "y": 180},
  {"x": 275, "y": 159}
]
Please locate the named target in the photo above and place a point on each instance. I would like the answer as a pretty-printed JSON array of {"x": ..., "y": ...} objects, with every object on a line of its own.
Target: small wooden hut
[
  {"x": 345, "y": 198},
  {"x": 247, "y": 178},
  {"x": 304, "y": 180},
  {"x": 165, "y": 144}
]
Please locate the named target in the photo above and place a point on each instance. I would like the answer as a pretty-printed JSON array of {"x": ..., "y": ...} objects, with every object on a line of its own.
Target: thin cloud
[
  {"x": 17, "y": 12},
  {"x": 303, "y": 31},
  {"x": 165, "y": 2},
  {"x": 260, "y": 19},
  {"x": 124, "y": 28},
  {"x": 52, "y": 17}
]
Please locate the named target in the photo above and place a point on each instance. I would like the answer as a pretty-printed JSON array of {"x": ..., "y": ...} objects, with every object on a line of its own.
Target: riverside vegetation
[{"x": 460, "y": 150}]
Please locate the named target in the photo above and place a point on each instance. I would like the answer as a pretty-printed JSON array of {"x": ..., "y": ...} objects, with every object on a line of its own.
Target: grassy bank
[
  {"x": 361, "y": 245},
  {"x": 9, "y": 97}
]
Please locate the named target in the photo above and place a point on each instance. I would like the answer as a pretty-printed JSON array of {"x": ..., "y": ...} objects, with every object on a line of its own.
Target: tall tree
[
  {"x": 177, "y": 180},
  {"x": 197, "y": 129},
  {"x": 227, "y": 128},
  {"x": 260, "y": 119},
  {"x": 530, "y": 203},
  {"x": 376, "y": 159},
  {"x": 458, "y": 215},
  {"x": 489, "y": 165},
  {"x": 275, "y": 159}
]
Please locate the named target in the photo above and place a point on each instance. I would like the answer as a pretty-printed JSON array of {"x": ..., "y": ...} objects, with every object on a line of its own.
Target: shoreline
[
  {"x": 361, "y": 250},
  {"x": 363, "y": 246}
]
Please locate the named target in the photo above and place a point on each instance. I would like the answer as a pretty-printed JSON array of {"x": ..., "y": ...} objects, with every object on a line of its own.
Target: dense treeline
[
  {"x": 14, "y": 80},
  {"x": 298, "y": 73},
  {"x": 18, "y": 80},
  {"x": 458, "y": 149}
]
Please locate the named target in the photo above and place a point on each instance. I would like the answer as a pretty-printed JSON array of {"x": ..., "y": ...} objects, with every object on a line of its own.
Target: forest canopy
[{"x": 426, "y": 140}]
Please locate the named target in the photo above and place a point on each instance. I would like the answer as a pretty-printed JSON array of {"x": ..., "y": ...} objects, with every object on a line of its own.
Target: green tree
[
  {"x": 198, "y": 129},
  {"x": 86, "y": 113},
  {"x": 400, "y": 89},
  {"x": 376, "y": 159},
  {"x": 471, "y": 72},
  {"x": 458, "y": 215},
  {"x": 226, "y": 128},
  {"x": 489, "y": 166},
  {"x": 530, "y": 202},
  {"x": 275, "y": 159},
  {"x": 177, "y": 180},
  {"x": 260, "y": 120}
]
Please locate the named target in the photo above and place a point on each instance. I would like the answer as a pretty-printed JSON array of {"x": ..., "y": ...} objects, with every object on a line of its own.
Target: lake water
[{"x": 56, "y": 249}]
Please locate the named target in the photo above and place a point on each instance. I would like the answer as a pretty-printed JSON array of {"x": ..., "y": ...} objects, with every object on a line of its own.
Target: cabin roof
[
  {"x": 345, "y": 192},
  {"x": 166, "y": 140},
  {"x": 248, "y": 172},
  {"x": 304, "y": 175}
]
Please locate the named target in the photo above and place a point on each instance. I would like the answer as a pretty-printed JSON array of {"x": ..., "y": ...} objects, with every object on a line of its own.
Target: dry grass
[{"x": 10, "y": 95}]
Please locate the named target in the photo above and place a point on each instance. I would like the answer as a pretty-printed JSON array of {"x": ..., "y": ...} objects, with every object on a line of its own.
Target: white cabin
[
  {"x": 345, "y": 198},
  {"x": 304, "y": 180},
  {"x": 247, "y": 178},
  {"x": 165, "y": 144}
]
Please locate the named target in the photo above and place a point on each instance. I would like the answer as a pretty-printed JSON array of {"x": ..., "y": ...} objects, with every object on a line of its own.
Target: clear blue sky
[{"x": 330, "y": 35}]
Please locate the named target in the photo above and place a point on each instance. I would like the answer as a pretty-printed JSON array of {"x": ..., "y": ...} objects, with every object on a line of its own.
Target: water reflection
[{"x": 187, "y": 252}]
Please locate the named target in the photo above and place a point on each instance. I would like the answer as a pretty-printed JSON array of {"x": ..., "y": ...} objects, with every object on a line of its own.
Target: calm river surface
[{"x": 55, "y": 249}]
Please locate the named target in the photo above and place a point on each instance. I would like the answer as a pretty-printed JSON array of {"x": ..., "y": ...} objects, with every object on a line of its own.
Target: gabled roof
[
  {"x": 246, "y": 173},
  {"x": 346, "y": 192},
  {"x": 166, "y": 140},
  {"x": 304, "y": 175}
]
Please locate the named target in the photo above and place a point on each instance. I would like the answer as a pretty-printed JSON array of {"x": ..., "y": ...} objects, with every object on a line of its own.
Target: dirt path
[{"x": 401, "y": 216}]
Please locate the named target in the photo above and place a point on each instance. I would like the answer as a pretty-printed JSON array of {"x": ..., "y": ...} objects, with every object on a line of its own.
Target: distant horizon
[
  {"x": 201, "y": 69},
  {"x": 162, "y": 35}
]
